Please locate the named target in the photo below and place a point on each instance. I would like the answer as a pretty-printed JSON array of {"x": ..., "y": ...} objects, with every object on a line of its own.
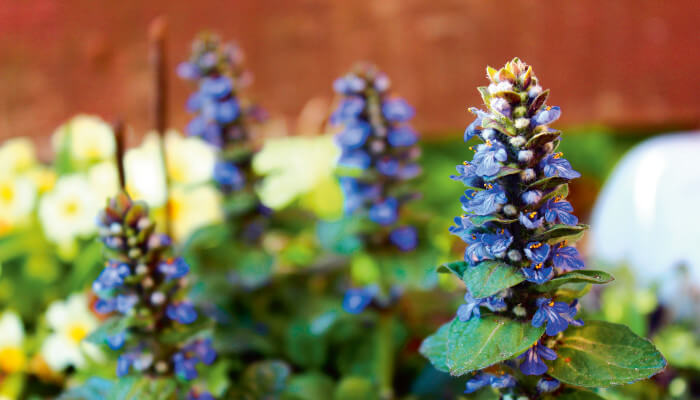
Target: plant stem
[{"x": 385, "y": 355}]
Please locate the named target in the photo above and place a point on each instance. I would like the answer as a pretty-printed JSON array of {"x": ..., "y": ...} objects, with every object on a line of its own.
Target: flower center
[
  {"x": 558, "y": 155},
  {"x": 7, "y": 194},
  {"x": 488, "y": 186},
  {"x": 71, "y": 208},
  {"x": 12, "y": 359},
  {"x": 77, "y": 332},
  {"x": 551, "y": 303},
  {"x": 538, "y": 266},
  {"x": 536, "y": 245},
  {"x": 533, "y": 214}
]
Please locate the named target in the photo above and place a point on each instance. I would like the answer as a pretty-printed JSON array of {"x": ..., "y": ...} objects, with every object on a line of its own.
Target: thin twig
[
  {"x": 119, "y": 138},
  {"x": 156, "y": 34}
]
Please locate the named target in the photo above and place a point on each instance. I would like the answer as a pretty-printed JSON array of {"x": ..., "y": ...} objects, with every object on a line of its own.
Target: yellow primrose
[
  {"x": 17, "y": 155},
  {"x": 193, "y": 208},
  {"x": 17, "y": 198},
  {"x": 143, "y": 167},
  {"x": 71, "y": 321},
  {"x": 70, "y": 209},
  {"x": 190, "y": 160},
  {"x": 104, "y": 180},
  {"x": 88, "y": 137},
  {"x": 294, "y": 166},
  {"x": 12, "y": 358}
]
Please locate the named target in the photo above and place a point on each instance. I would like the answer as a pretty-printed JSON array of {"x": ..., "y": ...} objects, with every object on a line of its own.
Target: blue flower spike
[{"x": 516, "y": 221}]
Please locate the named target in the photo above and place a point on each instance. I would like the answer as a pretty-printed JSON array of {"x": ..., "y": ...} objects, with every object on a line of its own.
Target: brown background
[{"x": 624, "y": 63}]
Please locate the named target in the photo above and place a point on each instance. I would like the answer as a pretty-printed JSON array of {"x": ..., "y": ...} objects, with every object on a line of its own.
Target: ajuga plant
[
  {"x": 517, "y": 335},
  {"x": 158, "y": 333},
  {"x": 227, "y": 120},
  {"x": 377, "y": 161}
]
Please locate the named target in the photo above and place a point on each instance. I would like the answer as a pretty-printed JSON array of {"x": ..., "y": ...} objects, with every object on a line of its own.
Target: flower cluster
[
  {"x": 226, "y": 120},
  {"x": 516, "y": 212},
  {"x": 378, "y": 156},
  {"x": 142, "y": 287},
  {"x": 379, "y": 152}
]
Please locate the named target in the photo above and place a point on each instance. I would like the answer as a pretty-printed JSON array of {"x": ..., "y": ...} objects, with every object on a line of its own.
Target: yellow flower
[
  {"x": 193, "y": 208},
  {"x": 294, "y": 166},
  {"x": 44, "y": 178},
  {"x": 104, "y": 180},
  {"x": 17, "y": 197},
  {"x": 17, "y": 155},
  {"x": 12, "y": 358},
  {"x": 190, "y": 160},
  {"x": 70, "y": 209},
  {"x": 71, "y": 321},
  {"x": 145, "y": 179},
  {"x": 89, "y": 138}
]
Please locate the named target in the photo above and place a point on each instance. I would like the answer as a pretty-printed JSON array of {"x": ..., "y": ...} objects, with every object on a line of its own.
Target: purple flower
[
  {"x": 358, "y": 159},
  {"x": 348, "y": 110},
  {"x": 397, "y": 110},
  {"x": 388, "y": 166},
  {"x": 116, "y": 342},
  {"x": 538, "y": 273},
  {"x": 409, "y": 171},
  {"x": 217, "y": 88},
  {"x": 384, "y": 212},
  {"x": 532, "y": 363},
  {"x": 188, "y": 71},
  {"x": 489, "y": 158},
  {"x": 125, "y": 302},
  {"x": 228, "y": 175},
  {"x": 537, "y": 252},
  {"x": 402, "y": 136},
  {"x": 531, "y": 197},
  {"x": 555, "y": 165},
  {"x": 547, "y": 115},
  {"x": 357, "y": 299},
  {"x": 462, "y": 228},
  {"x": 553, "y": 313},
  {"x": 501, "y": 106},
  {"x": 349, "y": 84},
  {"x": 203, "y": 395},
  {"x": 467, "y": 175},
  {"x": 174, "y": 268},
  {"x": 185, "y": 367},
  {"x": 502, "y": 381},
  {"x": 480, "y": 380},
  {"x": 547, "y": 384},
  {"x": 405, "y": 238},
  {"x": 484, "y": 202},
  {"x": 183, "y": 312},
  {"x": 531, "y": 220},
  {"x": 566, "y": 258},
  {"x": 354, "y": 135},
  {"x": 111, "y": 277},
  {"x": 560, "y": 210},
  {"x": 465, "y": 312}
]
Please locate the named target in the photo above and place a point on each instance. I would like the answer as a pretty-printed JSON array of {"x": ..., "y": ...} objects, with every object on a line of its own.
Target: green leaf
[
  {"x": 586, "y": 276},
  {"x": 303, "y": 346},
  {"x": 574, "y": 394},
  {"x": 540, "y": 139},
  {"x": 561, "y": 232},
  {"x": 455, "y": 267},
  {"x": 548, "y": 183},
  {"x": 94, "y": 388},
  {"x": 602, "y": 354},
  {"x": 479, "y": 220},
  {"x": 434, "y": 348},
  {"x": 481, "y": 342},
  {"x": 561, "y": 191},
  {"x": 255, "y": 267},
  {"x": 356, "y": 388},
  {"x": 505, "y": 171},
  {"x": 490, "y": 277},
  {"x": 310, "y": 386},
  {"x": 538, "y": 102}
]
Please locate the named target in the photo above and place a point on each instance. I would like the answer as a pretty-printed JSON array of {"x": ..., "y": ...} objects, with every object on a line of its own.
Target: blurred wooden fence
[{"x": 625, "y": 62}]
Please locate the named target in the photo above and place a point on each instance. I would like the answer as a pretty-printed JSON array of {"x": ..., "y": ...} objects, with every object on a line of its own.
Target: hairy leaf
[
  {"x": 602, "y": 354},
  {"x": 434, "y": 348},
  {"x": 490, "y": 277},
  {"x": 586, "y": 276}
]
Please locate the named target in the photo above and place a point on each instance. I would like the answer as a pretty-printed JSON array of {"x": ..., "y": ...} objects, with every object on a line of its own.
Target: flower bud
[
  {"x": 528, "y": 175},
  {"x": 510, "y": 210},
  {"x": 517, "y": 141},
  {"x": 514, "y": 255},
  {"x": 525, "y": 156}
]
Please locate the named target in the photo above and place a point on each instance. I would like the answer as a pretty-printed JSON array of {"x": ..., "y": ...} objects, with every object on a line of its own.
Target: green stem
[{"x": 385, "y": 355}]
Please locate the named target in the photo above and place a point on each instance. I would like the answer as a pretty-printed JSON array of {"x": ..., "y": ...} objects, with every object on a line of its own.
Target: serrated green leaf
[
  {"x": 585, "y": 276},
  {"x": 456, "y": 267},
  {"x": 434, "y": 348},
  {"x": 490, "y": 277},
  {"x": 561, "y": 232},
  {"x": 602, "y": 354},
  {"x": 481, "y": 342}
]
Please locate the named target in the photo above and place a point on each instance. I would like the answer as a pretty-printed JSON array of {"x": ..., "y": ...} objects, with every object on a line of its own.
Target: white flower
[
  {"x": 194, "y": 208},
  {"x": 12, "y": 356},
  {"x": 104, "y": 180},
  {"x": 69, "y": 210},
  {"x": 145, "y": 179},
  {"x": 71, "y": 321},
  {"x": 17, "y": 197},
  {"x": 189, "y": 160},
  {"x": 500, "y": 87},
  {"x": 17, "y": 155},
  {"x": 89, "y": 138},
  {"x": 294, "y": 166}
]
